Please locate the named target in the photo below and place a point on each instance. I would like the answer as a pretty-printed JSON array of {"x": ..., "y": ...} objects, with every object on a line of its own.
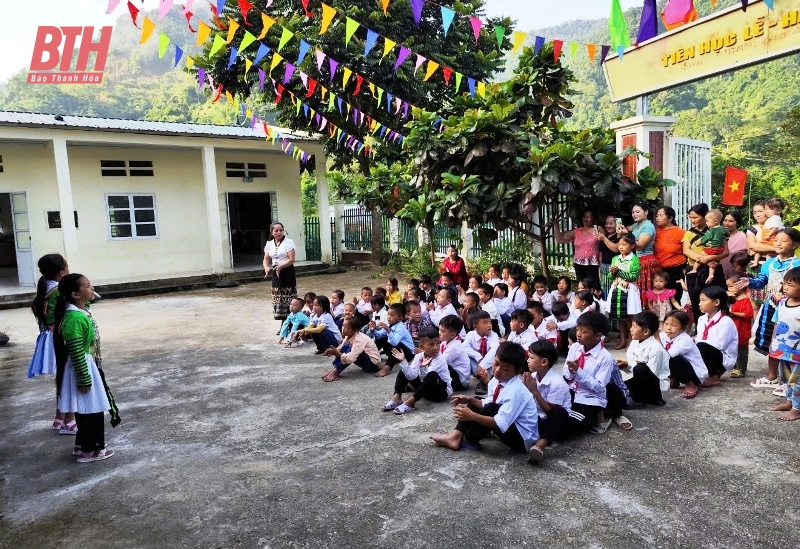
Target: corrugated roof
[{"x": 27, "y": 119}]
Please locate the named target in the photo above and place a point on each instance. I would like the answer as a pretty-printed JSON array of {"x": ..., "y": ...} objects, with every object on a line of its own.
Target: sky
[{"x": 21, "y": 31}]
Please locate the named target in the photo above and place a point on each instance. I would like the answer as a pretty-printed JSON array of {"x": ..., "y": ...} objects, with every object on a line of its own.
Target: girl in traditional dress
[
  {"x": 53, "y": 268},
  {"x": 279, "y": 260},
  {"x": 644, "y": 234},
  {"x": 625, "y": 297}
]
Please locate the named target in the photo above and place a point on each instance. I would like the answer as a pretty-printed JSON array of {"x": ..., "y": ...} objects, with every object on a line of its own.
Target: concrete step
[{"x": 147, "y": 287}]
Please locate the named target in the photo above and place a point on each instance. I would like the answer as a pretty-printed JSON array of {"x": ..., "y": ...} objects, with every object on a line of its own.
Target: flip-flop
[
  {"x": 97, "y": 456},
  {"x": 535, "y": 455},
  {"x": 57, "y": 424},
  {"x": 70, "y": 428},
  {"x": 623, "y": 423},
  {"x": 601, "y": 428}
]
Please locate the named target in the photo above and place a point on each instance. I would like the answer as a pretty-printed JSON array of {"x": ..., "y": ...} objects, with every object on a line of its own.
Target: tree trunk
[
  {"x": 543, "y": 249},
  {"x": 377, "y": 237},
  {"x": 429, "y": 226}
]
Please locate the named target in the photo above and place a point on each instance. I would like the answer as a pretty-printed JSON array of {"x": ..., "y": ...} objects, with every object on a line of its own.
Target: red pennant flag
[
  {"x": 189, "y": 16},
  {"x": 279, "y": 93},
  {"x": 359, "y": 81},
  {"x": 733, "y": 193},
  {"x": 305, "y": 8},
  {"x": 312, "y": 85},
  {"x": 244, "y": 7},
  {"x": 557, "y": 45},
  {"x": 217, "y": 20},
  {"x": 219, "y": 92},
  {"x": 448, "y": 72},
  {"x": 134, "y": 12}
]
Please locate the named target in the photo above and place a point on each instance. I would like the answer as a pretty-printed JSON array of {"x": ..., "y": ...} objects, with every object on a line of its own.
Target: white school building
[{"x": 148, "y": 200}]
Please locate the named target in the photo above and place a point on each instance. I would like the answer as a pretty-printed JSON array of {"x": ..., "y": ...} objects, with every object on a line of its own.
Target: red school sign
[{"x": 46, "y": 55}]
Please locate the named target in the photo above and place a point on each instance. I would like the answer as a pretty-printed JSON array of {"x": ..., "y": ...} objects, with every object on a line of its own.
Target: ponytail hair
[
  {"x": 715, "y": 293},
  {"x": 49, "y": 265},
  {"x": 68, "y": 285}
]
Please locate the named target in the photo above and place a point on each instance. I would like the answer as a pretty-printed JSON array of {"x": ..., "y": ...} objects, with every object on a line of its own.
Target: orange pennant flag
[
  {"x": 267, "y": 23},
  {"x": 432, "y": 66},
  {"x": 232, "y": 26},
  {"x": 591, "y": 49},
  {"x": 147, "y": 30},
  {"x": 203, "y": 32},
  {"x": 328, "y": 13},
  {"x": 385, "y": 4}
]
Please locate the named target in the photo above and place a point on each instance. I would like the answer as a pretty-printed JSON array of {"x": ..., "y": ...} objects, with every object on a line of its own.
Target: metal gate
[{"x": 689, "y": 165}]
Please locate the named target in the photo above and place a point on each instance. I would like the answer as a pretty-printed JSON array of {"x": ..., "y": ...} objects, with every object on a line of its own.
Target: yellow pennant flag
[
  {"x": 323, "y": 92},
  {"x": 189, "y": 61},
  {"x": 518, "y": 40},
  {"x": 276, "y": 58},
  {"x": 203, "y": 32},
  {"x": 267, "y": 23},
  {"x": 147, "y": 30},
  {"x": 372, "y": 89},
  {"x": 328, "y": 14},
  {"x": 248, "y": 113},
  {"x": 347, "y": 74},
  {"x": 432, "y": 66},
  {"x": 232, "y": 26},
  {"x": 217, "y": 45},
  {"x": 286, "y": 35},
  {"x": 247, "y": 65},
  {"x": 388, "y": 45},
  {"x": 229, "y": 97},
  {"x": 482, "y": 89},
  {"x": 385, "y": 4}
]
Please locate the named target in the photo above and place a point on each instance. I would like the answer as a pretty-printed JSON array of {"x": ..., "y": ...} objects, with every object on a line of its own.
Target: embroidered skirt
[
  {"x": 72, "y": 400},
  {"x": 606, "y": 278},
  {"x": 625, "y": 302},
  {"x": 762, "y": 336},
  {"x": 648, "y": 265},
  {"x": 284, "y": 289}
]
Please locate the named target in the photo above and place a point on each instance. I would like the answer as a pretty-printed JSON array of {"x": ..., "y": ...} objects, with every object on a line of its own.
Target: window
[
  {"x": 122, "y": 168},
  {"x": 245, "y": 169},
  {"x": 1, "y": 163},
  {"x": 132, "y": 216},
  {"x": 54, "y": 219}
]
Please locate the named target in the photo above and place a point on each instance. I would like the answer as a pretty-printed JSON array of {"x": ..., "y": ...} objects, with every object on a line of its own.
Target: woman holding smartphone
[
  {"x": 587, "y": 250},
  {"x": 607, "y": 239}
]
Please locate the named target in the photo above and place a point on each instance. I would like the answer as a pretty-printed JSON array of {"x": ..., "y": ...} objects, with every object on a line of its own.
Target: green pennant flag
[
  {"x": 380, "y": 95},
  {"x": 351, "y": 26},
  {"x": 459, "y": 76},
  {"x": 617, "y": 27},
  {"x": 338, "y": 133},
  {"x": 574, "y": 49},
  {"x": 248, "y": 39},
  {"x": 378, "y": 126},
  {"x": 331, "y": 101},
  {"x": 298, "y": 106},
  {"x": 286, "y": 35},
  {"x": 219, "y": 41},
  {"x": 500, "y": 33},
  {"x": 163, "y": 42}
]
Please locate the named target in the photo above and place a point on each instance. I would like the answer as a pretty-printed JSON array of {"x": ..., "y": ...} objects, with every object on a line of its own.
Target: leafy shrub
[{"x": 414, "y": 263}]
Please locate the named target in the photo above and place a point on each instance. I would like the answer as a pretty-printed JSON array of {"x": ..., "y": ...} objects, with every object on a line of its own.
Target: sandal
[
  {"x": 96, "y": 456},
  {"x": 764, "y": 382},
  {"x": 601, "y": 428},
  {"x": 535, "y": 455},
  {"x": 70, "y": 428},
  {"x": 391, "y": 405},
  {"x": 404, "y": 409},
  {"x": 76, "y": 451},
  {"x": 736, "y": 373},
  {"x": 57, "y": 424},
  {"x": 623, "y": 423}
]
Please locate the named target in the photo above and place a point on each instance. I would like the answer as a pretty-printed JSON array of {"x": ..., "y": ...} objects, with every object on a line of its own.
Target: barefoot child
[
  {"x": 392, "y": 335},
  {"x": 481, "y": 345},
  {"x": 427, "y": 374},
  {"x": 647, "y": 361},
  {"x": 551, "y": 394},
  {"x": 454, "y": 352},
  {"x": 510, "y": 412},
  {"x": 713, "y": 242},
  {"x": 356, "y": 348},
  {"x": 295, "y": 322},
  {"x": 587, "y": 372},
  {"x": 742, "y": 314},
  {"x": 321, "y": 326},
  {"x": 717, "y": 338},
  {"x": 784, "y": 345},
  {"x": 624, "y": 294},
  {"x": 660, "y": 299},
  {"x": 686, "y": 364}
]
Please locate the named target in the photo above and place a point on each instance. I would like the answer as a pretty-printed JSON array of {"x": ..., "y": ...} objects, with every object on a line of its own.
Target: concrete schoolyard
[{"x": 229, "y": 440}]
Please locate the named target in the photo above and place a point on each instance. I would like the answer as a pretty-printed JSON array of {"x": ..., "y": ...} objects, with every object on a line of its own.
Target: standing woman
[
  {"x": 587, "y": 251},
  {"x": 279, "y": 258},
  {"x": 669, "y": 249},
  {"x": 737, "y": 241},
  {"x": 607, "y": 239},
  {"x": 644, "y": 232},
  {"x": 756, "y": 247},
  {"x": 693, "y": 251},
  {"x": 455, "y": 266}
]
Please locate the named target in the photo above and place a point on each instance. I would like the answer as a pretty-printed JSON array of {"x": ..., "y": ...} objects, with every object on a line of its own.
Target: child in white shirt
[
  {"x": 481, "y": 345},
  {"x": 493, "y": 275},
  {"x": 518, "y": 297},
  {"x": 521, "y": 332},
  {"x": 427, "y": 374},
  {"x": 686, "y": 363},
  {"x": 364, "y": 305},
  {"x": 454, "y": 352},
  {"x": 539, "y": 323},
  {"x": 563, "y": 292},
  {"x": 717, "y": 337},
  {"x": 444, "y": 306},
  {"x": 337, "y": 307},
  {"x": 486, "y": 303},
  {"x": 540, "y": 293},
  {"x": 647, "y": 361},
  {"x": 321, "y": 326},
  {"x": 503, "y": 305},
  {"x": 509, "y": 412}
]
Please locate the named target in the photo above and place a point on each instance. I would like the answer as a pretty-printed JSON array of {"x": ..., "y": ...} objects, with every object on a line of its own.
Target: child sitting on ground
[
  {"x": 561, "y": 313},
  {"x": 416, "y": 321},
  {"x": 540, "y": 293},
  {"x": 521, "y": 332},
  {"x": 356, "y": 348},
  {"x": 337, "y": 306},
  {"x": 517, "y": 295},
  {"x": 392, "y": 336},
  {"x": 587, "y": 372},
  {"x": 426, "y": 285},
  {"x": 321, "y": 327},
  {"x": 713, "y": 242},
  {"x": 539, "y": 324},
  {"x": 364, "y": 305},
  {"x": 503, "y": 305},
  {"x": 686, "y": 364},
  {"x": 563, "y": 292},
  {"x": 647, "y": 361},
  {"x": 510, "y": 412},
  {"x": 493, "y": 275},
  {"x": 447, "y": 282},
  {"x": 393, "y": 294},
  {"x": 486, "y": 303},
  {"x": 481, "y": 344},
  {"x": 660, "y": 299},
  {"x": 470, "y": 305},
  {"x": 551, "y": 394},
  {"x": 444, "y": 305},
  {"x": 742, "y": 314},
  {"x": 427, "y": 374},
  {"x": 454, "y": 352},
  {"x": 295, "y": 322},
  {"x": 309, "y": 298}
]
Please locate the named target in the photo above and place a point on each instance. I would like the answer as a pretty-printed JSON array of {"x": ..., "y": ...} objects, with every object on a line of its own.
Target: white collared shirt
[
  {"x": 490, "y": 308},
  {"x": 457, "y": 358},
  {"x": 525, "y": 338},
  {"x": 651, "y": 352},
  {"x": 589, "y": 382},
  {"x": 472, "y": 344},
  {"x": 438, "y": 313},
  {"x": 364, "y": 307},
  {"x": 438, "y": 364},
  {"x": 519, "y": 300},
  {"x": 279, "y": 253},
  {"x": 517, "y": 406},
  {"x": 546, "y": 300},
  {"x": 543, "y": 333},
  {"x": 684, "y": 346},
  {"x": 722, "y": 335},
  {"x": 555, "y": 390},
  {"x": 503, "y": 305}
]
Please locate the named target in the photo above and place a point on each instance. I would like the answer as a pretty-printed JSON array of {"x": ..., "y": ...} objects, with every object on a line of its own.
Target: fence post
[
  {"x": 338, "y": 224},
  {"x": 394, "y": 234},
  {"x": 466, "y": 241}
]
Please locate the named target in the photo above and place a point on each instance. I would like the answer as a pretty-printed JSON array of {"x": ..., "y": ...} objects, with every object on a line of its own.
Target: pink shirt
[{"x": 587, "y": 251}]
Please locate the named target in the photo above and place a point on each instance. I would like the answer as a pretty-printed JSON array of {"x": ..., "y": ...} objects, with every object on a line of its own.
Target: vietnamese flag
[{"x": 733, "y": 193}]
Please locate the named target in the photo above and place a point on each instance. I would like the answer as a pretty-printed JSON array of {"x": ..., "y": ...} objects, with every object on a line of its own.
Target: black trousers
[
  {"x": 456, "y": 381},
  {"x": 474, "y": 432},
  {"x": 587, "y": 271},
  {"x": 553, "y": 427},
  {"x": 644, "y": 386},
  {"x": 384, "y": 345},
  {"x": 91, "y": 432},
  {"x": 697, "y": 281},
  {"x": 615, "y": 401},
  {"x": 712, "y": 357},
  {"x": 681, "y": 370},
  {"x": 675, "y": 274},
  {"x": 431, "y": 388},
  {"x": 581, "y": 419}
]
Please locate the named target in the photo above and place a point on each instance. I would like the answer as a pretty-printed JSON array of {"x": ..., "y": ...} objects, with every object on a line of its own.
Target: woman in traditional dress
[
  {"x": 279, "y": 261},
  {"x": 644, "y": 232}
]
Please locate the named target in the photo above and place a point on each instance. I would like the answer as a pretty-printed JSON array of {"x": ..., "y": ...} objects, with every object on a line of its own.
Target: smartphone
[{"x": 618, "y": 221}]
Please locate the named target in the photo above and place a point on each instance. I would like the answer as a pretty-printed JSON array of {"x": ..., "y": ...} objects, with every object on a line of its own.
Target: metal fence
[{"x": 313, "y": 240}]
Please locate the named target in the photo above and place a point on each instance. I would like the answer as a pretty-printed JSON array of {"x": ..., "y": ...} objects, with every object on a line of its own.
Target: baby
[{"x": 713, "y": 242}]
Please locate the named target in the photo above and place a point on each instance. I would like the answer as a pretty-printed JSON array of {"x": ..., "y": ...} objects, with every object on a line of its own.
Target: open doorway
[
  {"x": 16, "y": 255},
  {"x": 249, "y": 218}
]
